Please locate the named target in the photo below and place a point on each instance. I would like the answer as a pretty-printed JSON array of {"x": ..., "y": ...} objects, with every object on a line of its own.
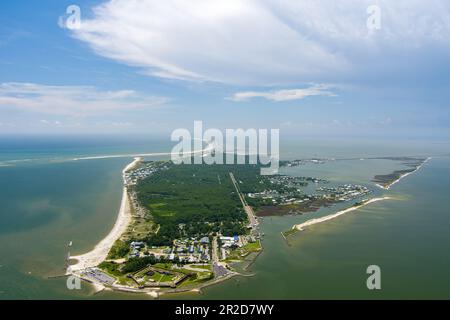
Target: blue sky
[{"x": 306, "y": 67}]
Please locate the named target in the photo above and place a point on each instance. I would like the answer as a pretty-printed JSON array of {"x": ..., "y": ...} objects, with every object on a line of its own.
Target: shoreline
[
  {"x": 156, "y": 292},
  {"x": 96, "y": 256},
  {"x": 402, "y": 176},
  {"x": 301, "y": 226},
  {"x": 100, "y": 252},
  {"x": 209, "y": 147}
]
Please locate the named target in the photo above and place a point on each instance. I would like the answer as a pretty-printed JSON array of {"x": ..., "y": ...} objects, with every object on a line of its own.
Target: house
[{"x": 204, "y": 240}]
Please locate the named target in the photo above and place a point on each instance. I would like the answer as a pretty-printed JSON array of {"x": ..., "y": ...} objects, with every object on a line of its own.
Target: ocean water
[
  {"x": 407, "y": 237},
  {"x": 47, "y": 199}
]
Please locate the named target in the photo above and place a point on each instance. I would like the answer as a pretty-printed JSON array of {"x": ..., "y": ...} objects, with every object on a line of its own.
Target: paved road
[
  {"x": 214, "y": 255},
  {"x": 248, "y": 209},
  {"x": 218, "y": 269}
]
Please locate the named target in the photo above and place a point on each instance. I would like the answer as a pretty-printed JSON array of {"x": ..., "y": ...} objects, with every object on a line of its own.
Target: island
[
  {"x": 412, "y": 164},
  {"x": 186, "y": 225},
  {"x": 182, "y": 227},
  {"x": 385, "y": 182}
]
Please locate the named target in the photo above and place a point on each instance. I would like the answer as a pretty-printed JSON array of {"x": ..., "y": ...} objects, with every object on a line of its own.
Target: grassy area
[
  {"x": 119, "y": 250},
  {"x": 197, "y": 278},
  {"x": 207, "y": 267},
  {"x": 157, "y": 277},
  {"x": 139, "y": 229},
  {"x": 166, "y": 266},
  {"x": 241, "y": 253},
  {"x": 289, "y": 232},
  {"x": 202, "y": 198},
  {"x": 252, "y": 247},
  {"x": 111, "y": 268},
  {"x": 184, "y": 201},
  {"x": 186, "y": 191}
]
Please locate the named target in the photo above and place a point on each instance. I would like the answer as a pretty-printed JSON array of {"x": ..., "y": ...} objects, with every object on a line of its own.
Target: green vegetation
[
  {"x": 206, "y": 267},
  {"x": 155, "y": 275},
  {"x": 240, "y": 253},
  {"x": 139, "y": 229},
  {"x": 289, "y": 232},
  {"x": 176, "y": 203},
  {"x": 136, "y": 264},
  {"x": 252, "y": 247},
  {"x": 197, "y": 278},
  {"x": 111, "y": 268},
  {"x": 387, "y": 179},
  {"x": 119, "y": 250},
  {"x": 196, "y": 200}
]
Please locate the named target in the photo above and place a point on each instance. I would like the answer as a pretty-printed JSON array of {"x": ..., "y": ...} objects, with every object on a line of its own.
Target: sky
[{"x": 307, "y": 67}]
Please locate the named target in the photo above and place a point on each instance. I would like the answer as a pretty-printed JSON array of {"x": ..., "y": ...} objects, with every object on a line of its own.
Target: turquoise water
[
  {"x": 50, "y": 199},
  {"x": 407, "y": 237},
  {"x": 47, "y": 200}
]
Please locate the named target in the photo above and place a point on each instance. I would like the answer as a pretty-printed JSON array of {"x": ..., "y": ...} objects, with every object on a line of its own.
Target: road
[
  {"x": 214, "y": 255},
  {"x": 218, "y": 268},
  {"x": 248, "y": 209}
]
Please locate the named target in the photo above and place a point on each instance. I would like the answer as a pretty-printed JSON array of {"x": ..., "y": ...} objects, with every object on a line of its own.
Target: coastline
[
  {"x": 402, "y": 176},
  {"x": 209, "y": 147},
  {"x": 96, "y": 256},
  {"x": 301, "y": 226},
  {"x": 99, "y": 253}
]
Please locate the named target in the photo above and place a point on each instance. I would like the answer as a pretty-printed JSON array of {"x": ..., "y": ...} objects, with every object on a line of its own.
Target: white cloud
[
  {"x": 72, "y": 100},
  {"x": 264, "y": 41},
  {"x": 284, "y": 95},
  {"x": 55, "y": 123},
  {"x": 386, "y": 122}
]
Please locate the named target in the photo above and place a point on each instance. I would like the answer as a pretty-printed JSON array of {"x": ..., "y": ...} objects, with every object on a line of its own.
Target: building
[{"x": 204, "y": 240}]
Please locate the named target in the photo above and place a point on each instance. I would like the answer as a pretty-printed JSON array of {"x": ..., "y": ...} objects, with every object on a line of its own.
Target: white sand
[
  {"x": 208, "y": 148},
  {"x": 335, "y": 215},
  {"x": 402, "y": 176},
  {"x": 96, "y": 256},
  {"x": 101, "y": 250}
]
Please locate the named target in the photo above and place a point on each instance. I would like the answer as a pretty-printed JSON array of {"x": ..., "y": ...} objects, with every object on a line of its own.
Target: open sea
[{"x": 48, "y": 199}]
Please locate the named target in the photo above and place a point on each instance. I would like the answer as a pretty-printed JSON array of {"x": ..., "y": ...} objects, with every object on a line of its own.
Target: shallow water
[{"x": 46, "y": 203}]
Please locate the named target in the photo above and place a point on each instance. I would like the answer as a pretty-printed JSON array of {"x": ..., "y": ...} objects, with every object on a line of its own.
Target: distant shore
[
  {"x": 389, "y": 185},
  {"x": 302, "y": 226},
  {"x": 100, "y": 252}
]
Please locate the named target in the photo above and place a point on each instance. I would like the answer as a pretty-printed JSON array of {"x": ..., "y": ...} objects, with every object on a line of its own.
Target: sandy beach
[
  {"x": 208, "y": 148},
  {"x": 94, "y": 257},
  {"x": 311, "y": 222},
  {"x": 402, "y": 176},
  {"x": 101, "y": 250}
]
